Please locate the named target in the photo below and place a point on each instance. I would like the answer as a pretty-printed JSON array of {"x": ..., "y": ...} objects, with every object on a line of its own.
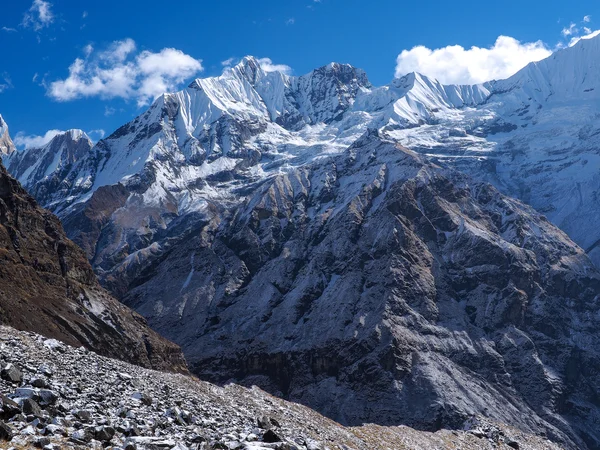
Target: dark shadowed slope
[{"x": 48, "y": 286}]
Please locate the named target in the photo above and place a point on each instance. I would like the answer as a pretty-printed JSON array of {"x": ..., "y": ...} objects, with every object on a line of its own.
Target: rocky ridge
[
  {"x": 60, "y": 397},
  {"x": 377, "y": 287},
  {"x": 49, "y": 287}
]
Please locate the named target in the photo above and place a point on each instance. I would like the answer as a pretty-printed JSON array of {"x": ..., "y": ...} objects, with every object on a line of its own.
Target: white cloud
[
  {"x": 456, "y": 65},
  {"x": 88, "y": 49},
  {"x": 9, "y": 30},
  {"x": 119, "y": 72},
  {"x": 290, "y": 21},
  {"x": 5, "y": 82},
  {"x": 22, "y": 140},
  {"x": 570, "y": 30},
  {"x": 228, "y": 62},
  {"x": 267, "y": 65},
  {"x": 109, "y": 111},
  {"x": 39, "y": 15},
  {"x": 84, "y": 15},
  {"x": 587, "y": 18}
]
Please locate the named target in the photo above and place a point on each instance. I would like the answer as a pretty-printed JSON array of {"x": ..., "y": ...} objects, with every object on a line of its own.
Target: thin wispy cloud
[
  {"x": 570, "y": 30},
  {"x": 109, "y": 111},
  {"x": 574, "y": 33},
  {"x": 5, "y": 82},
  {"x": 120, "y": 71},
  {"x": 9, "y": 30},
  {"x": 229, "y": 62},
  {"x": 290, "y": 21},
  {"x": 39, "y": 15}
]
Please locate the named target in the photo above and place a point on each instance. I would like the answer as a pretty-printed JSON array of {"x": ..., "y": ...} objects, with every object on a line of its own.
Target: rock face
[
  {"x": 6, "y": 144},
  {"x": 100, "y": 403},
  {"x": 49, "y": 287},
  {"x": 377, "y": 287}
]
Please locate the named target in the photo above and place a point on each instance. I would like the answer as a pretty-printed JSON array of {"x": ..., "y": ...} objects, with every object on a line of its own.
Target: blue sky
[{"x": 148, "y": 45}]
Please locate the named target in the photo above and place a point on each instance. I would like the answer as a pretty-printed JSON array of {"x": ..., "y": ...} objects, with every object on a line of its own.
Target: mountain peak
[{"x": 345, "y": 73}]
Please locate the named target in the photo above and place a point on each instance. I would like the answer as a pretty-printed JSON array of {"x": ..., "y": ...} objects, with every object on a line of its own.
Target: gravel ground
[{"x": 55, "y": 396}]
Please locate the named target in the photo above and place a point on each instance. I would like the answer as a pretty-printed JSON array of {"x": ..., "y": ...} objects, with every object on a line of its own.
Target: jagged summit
[{"x": 49, "y": 162}]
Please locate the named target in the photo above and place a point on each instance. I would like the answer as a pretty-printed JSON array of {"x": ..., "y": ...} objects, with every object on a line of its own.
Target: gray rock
[
  {"x": 143, "y": 398},
  {"x": 39, "y": 382},
  {"x": 83, "y": 435},
  {"x": 8, "y": 407},
  {"x": 104, "y": 434},
  {"x": 6, "y": 433},
  {"x": 31, "y": 407},
  {"x": 11, "y": 373}
]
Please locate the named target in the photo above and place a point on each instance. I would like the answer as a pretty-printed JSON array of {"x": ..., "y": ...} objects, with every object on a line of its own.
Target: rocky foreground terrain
[{"x": 59, "y": 397}]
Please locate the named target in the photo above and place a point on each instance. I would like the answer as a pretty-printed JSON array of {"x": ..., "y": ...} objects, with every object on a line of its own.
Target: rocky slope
[
  {"x": 49, "y": 287},
  {"x": 59, "y": 397},
  {"x": 6, "y": 144},
  {"x": 377, "y": 287}
]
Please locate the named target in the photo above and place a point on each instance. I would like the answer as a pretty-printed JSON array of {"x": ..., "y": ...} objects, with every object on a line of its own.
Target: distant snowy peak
[
  {"x": 6, "y": 144},
  {"x": 52, "y": 159},
  {"x": 569, "y": 74},
  {"x": 292, "y": 102}
]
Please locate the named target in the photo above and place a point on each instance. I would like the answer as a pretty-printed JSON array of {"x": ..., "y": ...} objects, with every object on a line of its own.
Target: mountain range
[{"x": 414, "y": 253}]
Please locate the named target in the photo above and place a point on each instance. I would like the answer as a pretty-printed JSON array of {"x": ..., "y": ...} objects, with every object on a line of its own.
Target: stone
[
  {"x": 42, "y": 442},
  {"x": 83, "y": 435},
  {"x": 104, "y": 433},
  {"x": 143, "y": 398},
  {"x": 270, "y": 436},
  {"x": 26, "y": 392},
  {"x": 47, "y": 397},
  {"x": 39, "y": 382},
  {"x": 31, "y": 407},
  {"x": 83, "y": 415},
  {"x": 9, "y": 408},
  {"x": 6, "y": 433},
  {"x": 11, "y": 373}
]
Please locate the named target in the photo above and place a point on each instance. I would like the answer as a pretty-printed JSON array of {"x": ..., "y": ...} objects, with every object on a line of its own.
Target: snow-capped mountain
[
  {"x": 42, "y": 169},
  {"x": 254, "y": 201},
  {"x": 530, "y": 135},
  {"x": 6, "y": 144}
]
